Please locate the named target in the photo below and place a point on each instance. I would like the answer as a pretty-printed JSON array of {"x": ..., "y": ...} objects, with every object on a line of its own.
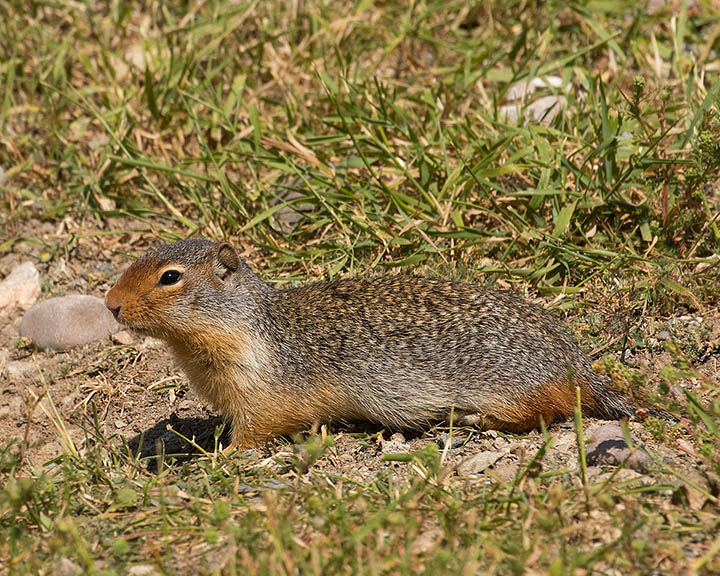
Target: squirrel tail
[
  {"x": 607, "y": 403},
  {"x": 610, "y": 405}
]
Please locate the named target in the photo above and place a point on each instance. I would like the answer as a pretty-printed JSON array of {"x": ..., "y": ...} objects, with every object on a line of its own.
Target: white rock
[
  {"x": 151, "y": 343},
  {"x": 67, "y": 567},
  {"x": 521, "y": 90},
  {"x": 106, "y": 204},
  {"x": 142, "y": 570},
  {"x": 68, "y": 321},
  {"x": 541, "y": 111},
  {"x": 544, "y": 109},
  {"x": 427, "y": 540},
  {"x": 478, "y": 463},
  {"x": 21, "y": 287},
  {"x": 393, "y": 447}
]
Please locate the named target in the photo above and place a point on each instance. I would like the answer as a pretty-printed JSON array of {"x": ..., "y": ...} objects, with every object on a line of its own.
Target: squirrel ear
[{"x": 227, "y": 261}]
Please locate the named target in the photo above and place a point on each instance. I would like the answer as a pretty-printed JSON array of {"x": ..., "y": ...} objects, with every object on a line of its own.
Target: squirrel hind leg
[
  {"x": 526, "y": 411},
  {"x": 465, "y": 418},
  {"x": 516, "y": 416},
  {"x": 514, "y": 422}
]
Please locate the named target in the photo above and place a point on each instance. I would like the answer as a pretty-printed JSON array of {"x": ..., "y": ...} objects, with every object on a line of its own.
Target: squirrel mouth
[
  {"x": 142, "y": 330},
  {"x": 136, "y": 327}
]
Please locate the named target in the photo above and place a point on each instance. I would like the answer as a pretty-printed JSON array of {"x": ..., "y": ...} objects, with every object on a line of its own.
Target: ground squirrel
[{"x": 400, "y": 351}]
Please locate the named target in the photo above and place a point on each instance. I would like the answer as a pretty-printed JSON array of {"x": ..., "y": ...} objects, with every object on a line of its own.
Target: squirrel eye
[{"x": 170, "y": 277}]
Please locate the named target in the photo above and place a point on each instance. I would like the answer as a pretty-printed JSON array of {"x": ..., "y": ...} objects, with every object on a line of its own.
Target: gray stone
[
  {"x": 455, "y": 441},
  {"x": 663, "y": 335},
  {"x": 506, "y": 469},
  {"x": 396, "y": 444},
  {"x": 21, "y": 287},
  {"x": 68, "y": 321},
  {"x": 393, "y": 447},
  {"x": 67, "y": 567},
  {"x": 695, "y": 492},
  {"x": 478, "y": 463},
  {"x": 427, "y": 541},
  {"x": 607, "y": 446},
  {"x": 17, "y": 369},
  {"x": 142, "y": 570}
]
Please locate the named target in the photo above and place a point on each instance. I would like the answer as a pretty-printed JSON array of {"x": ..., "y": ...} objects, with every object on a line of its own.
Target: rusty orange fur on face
[{"x": 140, "y": 301}]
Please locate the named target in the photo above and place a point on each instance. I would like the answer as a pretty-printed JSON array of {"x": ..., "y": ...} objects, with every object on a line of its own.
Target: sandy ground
[{"x": 126, "y": 388}]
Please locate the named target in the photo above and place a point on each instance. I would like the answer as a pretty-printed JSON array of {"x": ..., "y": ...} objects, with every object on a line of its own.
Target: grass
[
  {"x": 234, "y": 514},
  {"x": 334, "y": 138}
]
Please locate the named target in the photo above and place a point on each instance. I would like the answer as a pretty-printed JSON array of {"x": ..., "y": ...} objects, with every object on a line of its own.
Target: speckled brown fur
[{"x": 400, "y": 351}]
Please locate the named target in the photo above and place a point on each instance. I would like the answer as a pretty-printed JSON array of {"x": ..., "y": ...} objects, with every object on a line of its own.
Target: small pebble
[
  {"x": 427, "y": 541},
  {"x": 243, "y": 488},
  {"x": 21, "y": 287},
  {"x": 392, "y": 447},
  {"x": 455, "y": 441},
  {"x": 68, "y": 321},
  {"x": 663, "y": 335},
  {"x": 18, "y": 369},
  {"x": 67, "y": 567},
  {"x": 478, "y": 463},
  {"x": 123, "y": 337},
  {"x": 687, "y": 493},
  {"x": 607, "y": 446},
  {"x": 142, "y": 570},
  {"x": 506, "y": 469},
  {"x": 186, "y": 405},
  {"x": 276, "y": 484},
  {"x": 106, "y": 204}
]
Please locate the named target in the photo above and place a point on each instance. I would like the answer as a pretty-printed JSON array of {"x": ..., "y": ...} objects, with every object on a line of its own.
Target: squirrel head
[{"x": 184, "y": 287}]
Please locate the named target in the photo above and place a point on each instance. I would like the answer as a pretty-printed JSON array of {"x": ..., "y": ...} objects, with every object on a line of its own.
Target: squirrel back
[{"x": 397, "y": 350}]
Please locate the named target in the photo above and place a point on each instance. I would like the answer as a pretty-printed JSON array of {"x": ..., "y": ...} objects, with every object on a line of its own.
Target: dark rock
[{"x": 455, "y": 441}]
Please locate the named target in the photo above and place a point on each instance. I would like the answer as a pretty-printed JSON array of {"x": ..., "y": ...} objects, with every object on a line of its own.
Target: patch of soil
[{"x": 131, "y": 392}]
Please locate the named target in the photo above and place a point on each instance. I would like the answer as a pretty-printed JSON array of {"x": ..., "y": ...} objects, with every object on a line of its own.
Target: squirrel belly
[{"x": 403, "y": 352}]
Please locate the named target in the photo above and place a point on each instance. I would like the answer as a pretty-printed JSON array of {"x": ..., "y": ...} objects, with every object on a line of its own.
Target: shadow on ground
[{"x": 180, "y": 438}]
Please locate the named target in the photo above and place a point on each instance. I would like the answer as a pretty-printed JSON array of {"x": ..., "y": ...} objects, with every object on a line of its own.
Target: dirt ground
[{"x": 127, "y": 389}]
